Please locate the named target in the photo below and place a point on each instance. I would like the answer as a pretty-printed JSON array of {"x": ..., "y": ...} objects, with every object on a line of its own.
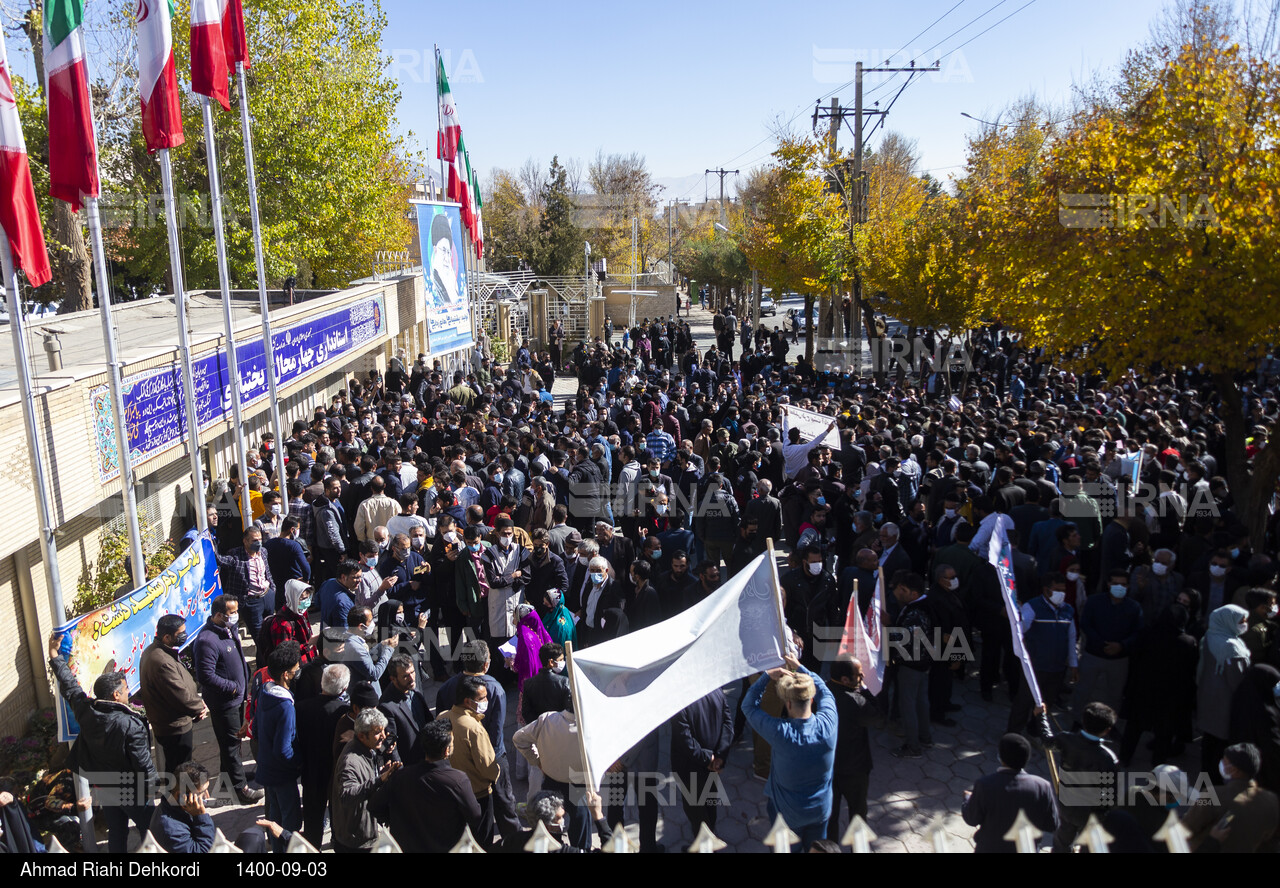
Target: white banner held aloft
[
  {"x": 630, "y": 685},
  {"x": 812, "y": 425},
  {"x": 998, "y": 554}
]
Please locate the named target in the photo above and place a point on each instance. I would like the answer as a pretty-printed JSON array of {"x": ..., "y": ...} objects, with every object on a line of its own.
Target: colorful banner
[
  {"x": 444, "y": 267},
  {"x": 112, "y": 638},
  {"x": 154, "y": 409}
]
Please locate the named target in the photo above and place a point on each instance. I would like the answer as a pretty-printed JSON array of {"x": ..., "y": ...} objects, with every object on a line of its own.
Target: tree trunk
[
  {"x": 71, "y": 259},
  {"x": 1251, "y": 491},
  {"x": 71, "y": 267},
  {"x": 807, "y": 327}
]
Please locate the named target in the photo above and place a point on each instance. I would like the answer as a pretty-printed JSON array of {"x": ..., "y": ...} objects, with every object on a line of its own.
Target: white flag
[
  {"x": 632, "y": 684},
  {"x": 998, "y": 553},
  {"x": 863, "y": 640}
]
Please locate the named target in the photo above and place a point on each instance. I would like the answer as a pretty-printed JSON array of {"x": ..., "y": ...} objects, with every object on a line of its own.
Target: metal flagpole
[
  {"x": 233, "y": 369},
  {"x": 48, "y": 545},
  {"x": 127, "y": 478},
  {"x": 48, "y": 542},
  {"x": 444, "y": 182},
  {"x": 184, "y": 344},
  {"x": 262, "y": 281}
]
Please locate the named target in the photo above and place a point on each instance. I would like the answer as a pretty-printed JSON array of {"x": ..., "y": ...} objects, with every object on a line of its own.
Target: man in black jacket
[
  {"x": 317, "y": 720},
  {"x": 113, "y": 751},
  {"x": 701, "y": 735},
  {"x": 1084, "y": 751},
  {"x": 995, "y": 800},
  {"x": 855, "y": 711},
  {"x": 403, "y": 704},
  {"x": 548, "y": 691},
  {"x": 429, "y": 802}
]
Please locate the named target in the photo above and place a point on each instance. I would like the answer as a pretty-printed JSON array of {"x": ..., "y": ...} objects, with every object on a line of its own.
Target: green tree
[{"x": 558, "y": 248}]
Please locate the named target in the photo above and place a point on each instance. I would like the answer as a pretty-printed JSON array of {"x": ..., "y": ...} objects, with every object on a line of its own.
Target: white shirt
[
  {"x": 796, "y": 456},
  {"x": 982, "y": 539}
]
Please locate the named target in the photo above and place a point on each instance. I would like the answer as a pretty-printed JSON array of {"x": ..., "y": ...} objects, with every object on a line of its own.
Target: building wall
[{"x": 85, "y": 509}]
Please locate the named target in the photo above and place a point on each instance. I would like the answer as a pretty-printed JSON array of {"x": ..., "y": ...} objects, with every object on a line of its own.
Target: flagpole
[
  {"x": 577, "y": 714},
  {"x": 233, "y": 368},
  {"x": 127, "y": 478},
  {"x": 777, "y": 597},
  {"x": 268, "y": 352},
  {"x": 439, "y": 122},
  {"x": 184, "y": 344}
]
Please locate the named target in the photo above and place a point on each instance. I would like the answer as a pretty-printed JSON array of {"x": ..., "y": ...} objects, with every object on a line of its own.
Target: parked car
[{"x": 767, "y": 305}]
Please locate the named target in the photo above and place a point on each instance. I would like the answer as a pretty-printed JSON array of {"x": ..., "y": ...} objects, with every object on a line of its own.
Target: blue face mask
[
  {"x": 822, "y": 500},
  {"x": 1235, "y": 553},
  {"x": 1118, "y": 591},
  {"x": 597, "y": 578}
]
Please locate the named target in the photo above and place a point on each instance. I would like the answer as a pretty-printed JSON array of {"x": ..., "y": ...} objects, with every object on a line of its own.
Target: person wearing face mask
[
  {"x": 246, "y": 577},
  {"x": 407, "y": 571},
  {"x": 223, "y": 675},
  {"x": 1049, "y": 637},
  {"x": 365, "y": 656},
  {"x": 747, "y": 547},
  {"x": 473, "y": 752},
  {"x": 428, "y": 803},
  {"x": 279, "y": 759},
  {"x": 603, "y": 592},
  {"x": 951, "y": 623},
  {"x": 812, "y": 604},
  {"x": 546, "y": 568},
  {"x": 677, "y": 587},
  {"x": 1156, "y": 586},
  {"x": 507, "y": 568},
  {"x": 1242, "y": 815},
  {"x": 1110, "y": 625},
  {"x": 1224, "y": 658},
  {"x": 1087, "y": 750},
  {"x": 1219, "y": 584},
  {"x": 169, "y": 693}
]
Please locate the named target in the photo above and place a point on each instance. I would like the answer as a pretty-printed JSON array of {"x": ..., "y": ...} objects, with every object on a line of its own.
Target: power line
[
  {"x": 966, "y": 25},
  {"x": 980, "y": 33}
]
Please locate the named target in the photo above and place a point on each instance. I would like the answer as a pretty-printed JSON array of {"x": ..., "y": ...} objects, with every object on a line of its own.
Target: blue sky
[{"x": 698, "y": 85}]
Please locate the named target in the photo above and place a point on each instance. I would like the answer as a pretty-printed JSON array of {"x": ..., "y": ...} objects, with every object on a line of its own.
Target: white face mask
[
  {"x": 1073, "y": 575},
  {"x": 951, "y": 513},
  {"x": 482, "y": 707},
  {"x": 1217, "y": 570},
  {"x": 1159, "y": 568},
  {"x": 1242, "y": 628},
  {"x": 232, "y": 619},
  {"x": 277, "y": 510},
  {"x": 1056, "y": 598},
  {"x": 815, "y": 568},
  {"x": 953, "y": 583},
  {"x": 369, "y": 631}
]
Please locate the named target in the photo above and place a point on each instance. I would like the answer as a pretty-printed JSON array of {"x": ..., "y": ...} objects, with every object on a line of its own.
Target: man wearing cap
[{"x": 995, "y": 800}]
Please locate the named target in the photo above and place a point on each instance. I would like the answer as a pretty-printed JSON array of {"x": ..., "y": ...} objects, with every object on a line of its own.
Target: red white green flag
[
  {"x": 18, "y": 212},
  {"x": 233, "y": 36},
  {"x": 208, "y": 52},
  {"x": 73, "y": 149},
  {"x": 450, "y": 129},
  {"x": 157, "y": 80}
]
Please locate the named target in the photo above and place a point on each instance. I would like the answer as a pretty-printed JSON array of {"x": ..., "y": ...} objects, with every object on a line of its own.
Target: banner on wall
[
  {"x": 154, "y": 411},
  {"x": 112, "y": 638},
  {"x": 444, "y": 267}
]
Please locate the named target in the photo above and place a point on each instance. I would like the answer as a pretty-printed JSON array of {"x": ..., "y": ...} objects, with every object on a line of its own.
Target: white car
[{"x": 767, "y": 305}]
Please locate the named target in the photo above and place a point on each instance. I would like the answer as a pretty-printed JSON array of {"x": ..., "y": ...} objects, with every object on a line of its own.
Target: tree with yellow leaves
[
  {"x": 794, "y": 230},
  {"x": 1145, "y": 237}
]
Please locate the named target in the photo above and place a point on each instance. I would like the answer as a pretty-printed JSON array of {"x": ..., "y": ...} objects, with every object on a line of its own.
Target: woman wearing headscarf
[
  {"x": 1223, "y": 661},
  {"x": 556, "y": 618},
  {"x": 1255, "y": 718}
]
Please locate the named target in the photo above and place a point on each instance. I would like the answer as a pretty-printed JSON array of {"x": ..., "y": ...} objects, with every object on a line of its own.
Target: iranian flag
[
  {"x": 458, "y": 183},
  {"x": 157, "y": 80},
  {"x": 479, "y": 232},
  {"x": 208, "y": 52},
  {"x": 450, "y": 129},
  {"x": 73, "y": 150},
  {"x": 233, "y": 36},
  {"x": 18, "y": 213}
]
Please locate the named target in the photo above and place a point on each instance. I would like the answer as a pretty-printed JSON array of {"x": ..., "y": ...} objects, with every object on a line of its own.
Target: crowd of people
[{"x": 463, "y": 528}]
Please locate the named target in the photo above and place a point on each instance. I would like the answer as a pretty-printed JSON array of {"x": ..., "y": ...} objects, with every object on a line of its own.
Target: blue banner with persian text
[
  {"x": 112, "y": 638},
  {"x": 156, "y": 414}
]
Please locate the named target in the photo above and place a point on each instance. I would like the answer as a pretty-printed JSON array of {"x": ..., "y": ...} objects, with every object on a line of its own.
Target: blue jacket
[
  {"x": 287, "y": 561},
  {"x": 803, "y": 754},
  {"x": 277, "y": 730},
  {"x": 335, "y": 601},
  {"x": 179, "y": 833},
  {"x": 221, "y": 670}
]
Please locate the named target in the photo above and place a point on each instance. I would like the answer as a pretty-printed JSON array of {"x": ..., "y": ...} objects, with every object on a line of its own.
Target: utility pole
[{"x": 721, "y": 174}]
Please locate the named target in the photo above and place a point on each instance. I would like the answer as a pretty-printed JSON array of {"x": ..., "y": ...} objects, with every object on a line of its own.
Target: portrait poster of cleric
[{"x": 443, "y": 241}]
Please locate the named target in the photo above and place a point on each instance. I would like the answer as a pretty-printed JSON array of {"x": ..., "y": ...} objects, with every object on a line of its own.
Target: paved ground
[{"x": 907, "y": 796}]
